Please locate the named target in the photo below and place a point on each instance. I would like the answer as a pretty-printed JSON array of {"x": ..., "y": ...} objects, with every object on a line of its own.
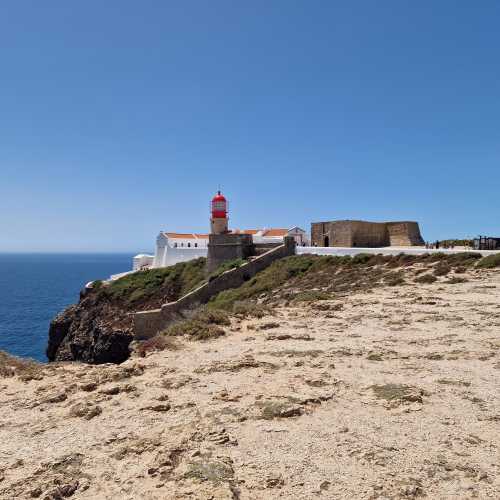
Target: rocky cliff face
[{"x": 95, "y": 330}]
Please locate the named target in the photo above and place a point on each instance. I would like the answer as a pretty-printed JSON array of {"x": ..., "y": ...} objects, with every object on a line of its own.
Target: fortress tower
[{"x": 219, "y": 219}]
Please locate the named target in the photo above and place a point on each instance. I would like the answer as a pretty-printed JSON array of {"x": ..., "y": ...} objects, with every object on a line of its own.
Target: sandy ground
[{"x": 389, "y": 394}]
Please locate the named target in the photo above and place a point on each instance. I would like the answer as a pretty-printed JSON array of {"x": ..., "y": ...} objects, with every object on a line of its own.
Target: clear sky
[{"x": 119, "y": 119}]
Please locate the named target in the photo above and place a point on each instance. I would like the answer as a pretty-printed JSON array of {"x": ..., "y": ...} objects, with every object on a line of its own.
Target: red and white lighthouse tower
[{"x": 219, "y": 218}]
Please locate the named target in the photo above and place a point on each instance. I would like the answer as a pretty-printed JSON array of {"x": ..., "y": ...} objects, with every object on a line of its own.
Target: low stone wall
[
  {"x": 149, "y": 323},
  {"x": 342, "y": 251}
]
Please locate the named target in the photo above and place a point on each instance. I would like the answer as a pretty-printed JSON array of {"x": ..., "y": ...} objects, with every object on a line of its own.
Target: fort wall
[{"x": 354, "y": 233}]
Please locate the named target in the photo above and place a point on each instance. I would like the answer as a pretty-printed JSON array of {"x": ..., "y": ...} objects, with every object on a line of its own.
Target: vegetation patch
[
  {"x": 25, "y": 369},
  {"x": 489, "y": 262},
  {"x": 459, "y": 383},
  {"x": 171, "y": 282},
  {"x": 442, "y": 269},
  {"x": 204, "y": 325},
  {"x": 214, "y": 471},
  {"x": 157, "y": 343},
  {"x": 455, "y": 280},
  {"x": 278, "y": 409},
  {"x": 425, "y": 278},
  {"x": 312, "y": 296},
  {"x": 397, "y": 392},
  {"x": 250, "y": 309},
  {"x": 226, "y": 266}
]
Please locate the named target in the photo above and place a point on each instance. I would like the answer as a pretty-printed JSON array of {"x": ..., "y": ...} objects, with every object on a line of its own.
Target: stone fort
[{"x": 357, "y": 233}]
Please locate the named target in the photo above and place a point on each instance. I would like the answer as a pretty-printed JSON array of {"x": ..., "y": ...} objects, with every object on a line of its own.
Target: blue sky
[{"x": 119, "y": 119}]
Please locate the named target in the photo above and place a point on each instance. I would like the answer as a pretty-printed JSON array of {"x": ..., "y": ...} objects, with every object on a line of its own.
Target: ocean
[{"x": 35, "y": 287}]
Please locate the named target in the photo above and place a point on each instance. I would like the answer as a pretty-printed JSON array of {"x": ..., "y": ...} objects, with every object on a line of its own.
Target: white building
[{"x": 172, "y": 248}]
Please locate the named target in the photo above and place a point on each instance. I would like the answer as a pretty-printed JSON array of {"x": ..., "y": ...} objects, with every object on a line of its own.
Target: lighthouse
[
  {"x": 222, "y": 244},
  {"x": 218, "y": 216}
]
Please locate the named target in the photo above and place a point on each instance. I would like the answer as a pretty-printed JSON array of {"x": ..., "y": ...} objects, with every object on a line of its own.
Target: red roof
[
  {"x": 275, "y": 232},
  {"x": 186, "y": 236}
]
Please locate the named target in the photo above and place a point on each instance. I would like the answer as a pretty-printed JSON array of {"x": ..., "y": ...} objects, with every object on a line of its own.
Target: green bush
[
  {"x": 362, "y": 258},
  {"x": 489, "y": 262}
]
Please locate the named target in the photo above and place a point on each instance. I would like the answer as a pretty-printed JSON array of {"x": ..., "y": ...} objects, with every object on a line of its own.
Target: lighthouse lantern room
[{"x": 218, "y": 219}]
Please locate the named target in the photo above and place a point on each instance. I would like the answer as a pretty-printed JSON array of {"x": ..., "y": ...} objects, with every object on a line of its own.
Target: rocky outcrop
[
  {"x": 99, "y": 328},
  {"x": 95, "y": 330}
]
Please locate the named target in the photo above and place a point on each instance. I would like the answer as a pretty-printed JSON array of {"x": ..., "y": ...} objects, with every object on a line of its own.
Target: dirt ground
[{"x": 386, "y": 394}]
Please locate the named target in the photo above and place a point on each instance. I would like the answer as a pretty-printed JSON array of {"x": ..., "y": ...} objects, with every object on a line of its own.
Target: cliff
[
  {"x": 99, "y": 328},
  {"x": 373, "y": 377}
]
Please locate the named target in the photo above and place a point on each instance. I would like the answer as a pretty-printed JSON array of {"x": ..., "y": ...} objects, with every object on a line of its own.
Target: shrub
[
  {"x": 195, "y": 330},
  {"x": 454, "y": 280},
  {"x": 442, "y": 269},
  {"x": 250, "y": 309},
  {"x": 362, "y": 258},
  {"x": 204, "y": 325},
  {"x": 463, "y": 258},
  {"x": 312, "y": 296},
  {"x": 489, "y": 262},
  {"x": 425, "y": 278},
  {"x": 394, "y": 279},
  {"x": 157, "y": 343},
  {"x": 25, "y": 369}
]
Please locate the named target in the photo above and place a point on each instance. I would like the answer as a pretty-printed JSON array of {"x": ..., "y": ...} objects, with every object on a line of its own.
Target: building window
[
  {"x": 175, "y": 245},
  {"x": 189, "y": 245},
  {"x": 182, "y": 244},
  {"x": 196, "y": 245}
]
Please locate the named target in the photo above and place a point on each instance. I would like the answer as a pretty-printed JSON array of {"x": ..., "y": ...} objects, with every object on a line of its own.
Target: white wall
[
  {"x": 174, "y": 255},
  {"x": 340, "y": 251}
]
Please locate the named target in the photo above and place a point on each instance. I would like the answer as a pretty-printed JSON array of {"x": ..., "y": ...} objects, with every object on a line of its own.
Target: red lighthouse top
[{"x": 219, "y": 206}]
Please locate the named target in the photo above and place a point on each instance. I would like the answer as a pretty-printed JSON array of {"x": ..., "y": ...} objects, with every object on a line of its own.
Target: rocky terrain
[{"x": 364, "y": 382}]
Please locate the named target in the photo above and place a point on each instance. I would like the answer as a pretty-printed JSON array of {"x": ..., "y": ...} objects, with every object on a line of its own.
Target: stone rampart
[
  {"x": 356, "y": 233},
  {"x": 149, "y": 323}
]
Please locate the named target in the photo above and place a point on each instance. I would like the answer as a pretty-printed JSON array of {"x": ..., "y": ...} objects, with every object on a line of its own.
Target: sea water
[{"x": 35, "y": 287}]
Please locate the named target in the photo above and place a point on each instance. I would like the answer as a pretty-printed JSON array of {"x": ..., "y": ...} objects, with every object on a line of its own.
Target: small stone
[
  {"x": 163, "y": 407},
  {"x": 88, "y": 387},
  {"x": 85, "y": 410},
  {"x": 56, "y": 398},
  {"x": 111, "y": 391}
]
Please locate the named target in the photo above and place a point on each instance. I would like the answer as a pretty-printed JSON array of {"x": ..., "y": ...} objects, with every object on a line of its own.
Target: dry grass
[
  {"x": 203, "y": 325},
  {"x": 158, "y": 343},
  {"x": 25, "y": 369},
  {"x": 489, "y": 262},
  {"x": 426, "y": 278}
]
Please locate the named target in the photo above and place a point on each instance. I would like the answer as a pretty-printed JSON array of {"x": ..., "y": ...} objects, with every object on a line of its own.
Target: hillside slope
[{"x": 339, "y": 389}]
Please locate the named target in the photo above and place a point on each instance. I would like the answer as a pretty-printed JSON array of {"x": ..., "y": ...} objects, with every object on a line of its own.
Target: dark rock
[{"x": 95, "y": 331}]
